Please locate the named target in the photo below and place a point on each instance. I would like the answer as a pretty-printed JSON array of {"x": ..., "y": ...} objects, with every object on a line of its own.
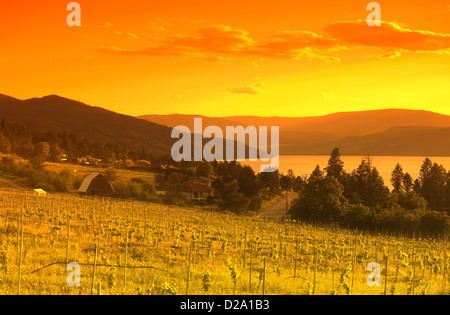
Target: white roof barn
[{"x": 96, "y": 184}]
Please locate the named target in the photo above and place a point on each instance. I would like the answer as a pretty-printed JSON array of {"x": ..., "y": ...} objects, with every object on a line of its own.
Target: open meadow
[{"x": 130, "y": 247}]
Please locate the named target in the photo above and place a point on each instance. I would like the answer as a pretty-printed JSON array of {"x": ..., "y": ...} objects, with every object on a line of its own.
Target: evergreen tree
[
  {"x": 298, "y": 184},
  {"x": 397, "y": 178},
  {"x": 287, "y": 181},
  {"x": 366, "y": 185},
  {"x": 425, "y": 170},
  {"x": 335, "y": 166},
  {"x": 435, "y": 187},
  {"x": 447, "y": 193},
  {"x": 408, "y": 182},
  {"x": 317, "y": 173},
  {"x": 432, "y": 183},
  {"x": 417, "y": 187}
]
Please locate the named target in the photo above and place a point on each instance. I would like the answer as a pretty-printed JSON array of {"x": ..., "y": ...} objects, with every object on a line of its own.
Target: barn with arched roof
[{"x": 96, "y": 184}]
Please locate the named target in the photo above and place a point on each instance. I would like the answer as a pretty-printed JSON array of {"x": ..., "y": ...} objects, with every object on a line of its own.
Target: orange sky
[{"x": 234, "y": 57}]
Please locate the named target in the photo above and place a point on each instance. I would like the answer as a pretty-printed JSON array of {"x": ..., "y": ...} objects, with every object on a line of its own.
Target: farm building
[
  {"x": 88, "y": 160},
  {"x": 196, "y": 190},
  {"x": 96, "y": 184},
  {"x": 39, "y": 192}
]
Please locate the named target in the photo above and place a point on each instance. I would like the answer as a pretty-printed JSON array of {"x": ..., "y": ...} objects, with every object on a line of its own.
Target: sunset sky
[{"x": 234, "y": 57}]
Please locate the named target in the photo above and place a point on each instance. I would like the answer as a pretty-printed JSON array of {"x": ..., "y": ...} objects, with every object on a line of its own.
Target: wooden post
[
  {"x": 264, "y": 277},
  {"x": 19, "y": 220},
  {"x": 386, "y": 276},
  {"x": 126, "y": 263},
  {"x": 354, "y": 260},
  {"x": 20, "y": 250},
  {"x": 414, "y": 264},
  {"x": 315, "y": 270},
  {"x": 295, "y": 259},
  {"x": 93, "y": 269},
  {"x": 245, "y": 248},
  {"x": 251, "y": 263},
  {"x": 67, "y": 242},
  {"x": 189, "y": 270},
  {"x": 445, "y": 262},
  {"x": 145, "y": 230},
  {"x": 287, "y": 203}
]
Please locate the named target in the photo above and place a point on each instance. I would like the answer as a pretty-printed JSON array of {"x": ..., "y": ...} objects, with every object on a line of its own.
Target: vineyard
[{"x": 130, "y": 247}]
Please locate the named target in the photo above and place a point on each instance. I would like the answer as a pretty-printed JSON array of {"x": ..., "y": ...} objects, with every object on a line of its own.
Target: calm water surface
[{"x": 302, "y": 165}]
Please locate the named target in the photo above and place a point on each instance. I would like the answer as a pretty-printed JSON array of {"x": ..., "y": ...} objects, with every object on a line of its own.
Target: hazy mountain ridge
[
  {"x": 60, "y": 114},
  {"x": 378, "y": 132}
]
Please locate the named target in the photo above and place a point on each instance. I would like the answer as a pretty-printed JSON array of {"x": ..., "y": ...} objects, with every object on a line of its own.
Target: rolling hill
[{"x": 60, "y": 114}]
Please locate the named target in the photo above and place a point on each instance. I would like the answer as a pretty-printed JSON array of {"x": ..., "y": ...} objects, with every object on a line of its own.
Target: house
[
  {"x": 88, "y": 160},
  {"x": 208, "y": 180},
  {"x": 97, "y": 185},
  {"x": 196, "y": 190},
  {"x": 93, "y": 161},
  {"x": 170, "y": 168},
  {"x": 39, "y": 192}
]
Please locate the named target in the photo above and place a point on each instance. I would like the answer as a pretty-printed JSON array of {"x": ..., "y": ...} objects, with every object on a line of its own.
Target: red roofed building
[{"x": 196, "y": 190}]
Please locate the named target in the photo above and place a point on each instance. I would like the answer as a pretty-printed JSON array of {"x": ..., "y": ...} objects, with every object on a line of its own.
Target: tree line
[
  {"x": 39, "y": 146},
  {"x": 361, "y": 198},
  {"x": 237, "y": 187}
]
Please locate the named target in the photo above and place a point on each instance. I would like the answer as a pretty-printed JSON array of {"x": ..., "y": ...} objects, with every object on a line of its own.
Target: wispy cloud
[
  {"x": 104, "y": 25},
  {"x": 327, "y": 96},
  {"x": 126, "y": 34},
  {"x": 389, "y": 55},
  {"x": 159, "y": 24},
  {"x": 291, "y": 45},
  {"x": 389, "y": 35},
  {"x": 221, "y": 42},
  {"x": 252, "y": 90},
  {"x": 208, "y": 40}
]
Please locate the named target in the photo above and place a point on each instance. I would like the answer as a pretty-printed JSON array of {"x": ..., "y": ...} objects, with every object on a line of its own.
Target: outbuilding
[
  {"x": 39, "y": 192},
  {"x": 96, "y": 184}
]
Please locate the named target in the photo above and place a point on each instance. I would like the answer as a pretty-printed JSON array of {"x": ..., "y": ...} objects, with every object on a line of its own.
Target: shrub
[{"x": 434, "y": 223}]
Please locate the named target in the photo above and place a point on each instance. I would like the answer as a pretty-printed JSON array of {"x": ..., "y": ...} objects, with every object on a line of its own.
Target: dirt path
[{"x": 277, "y": 211}]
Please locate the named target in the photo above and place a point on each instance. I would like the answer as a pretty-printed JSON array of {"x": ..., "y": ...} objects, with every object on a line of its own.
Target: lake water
[{"x": 304, "y": 165}]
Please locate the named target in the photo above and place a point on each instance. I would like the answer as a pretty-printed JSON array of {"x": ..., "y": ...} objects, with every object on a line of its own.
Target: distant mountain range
[
  {"x": 379, "y": 132},
  {"x": 60, "y": 114}
]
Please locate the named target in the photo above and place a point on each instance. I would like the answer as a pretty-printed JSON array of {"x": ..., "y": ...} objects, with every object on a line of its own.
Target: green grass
[
  {"x": 161, "y": 237},
  {"x": 84, "y": 170}
]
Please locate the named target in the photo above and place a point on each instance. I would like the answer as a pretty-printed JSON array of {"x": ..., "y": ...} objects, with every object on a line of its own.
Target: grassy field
[
  {"x": 141, "y": 248},
  {"x": 84, "y": 170}
]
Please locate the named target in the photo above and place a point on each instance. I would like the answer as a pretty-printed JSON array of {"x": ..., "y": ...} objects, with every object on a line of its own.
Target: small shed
[
  {"x": 97, "y": 185},
  {"x": 39, "y": 192}
]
